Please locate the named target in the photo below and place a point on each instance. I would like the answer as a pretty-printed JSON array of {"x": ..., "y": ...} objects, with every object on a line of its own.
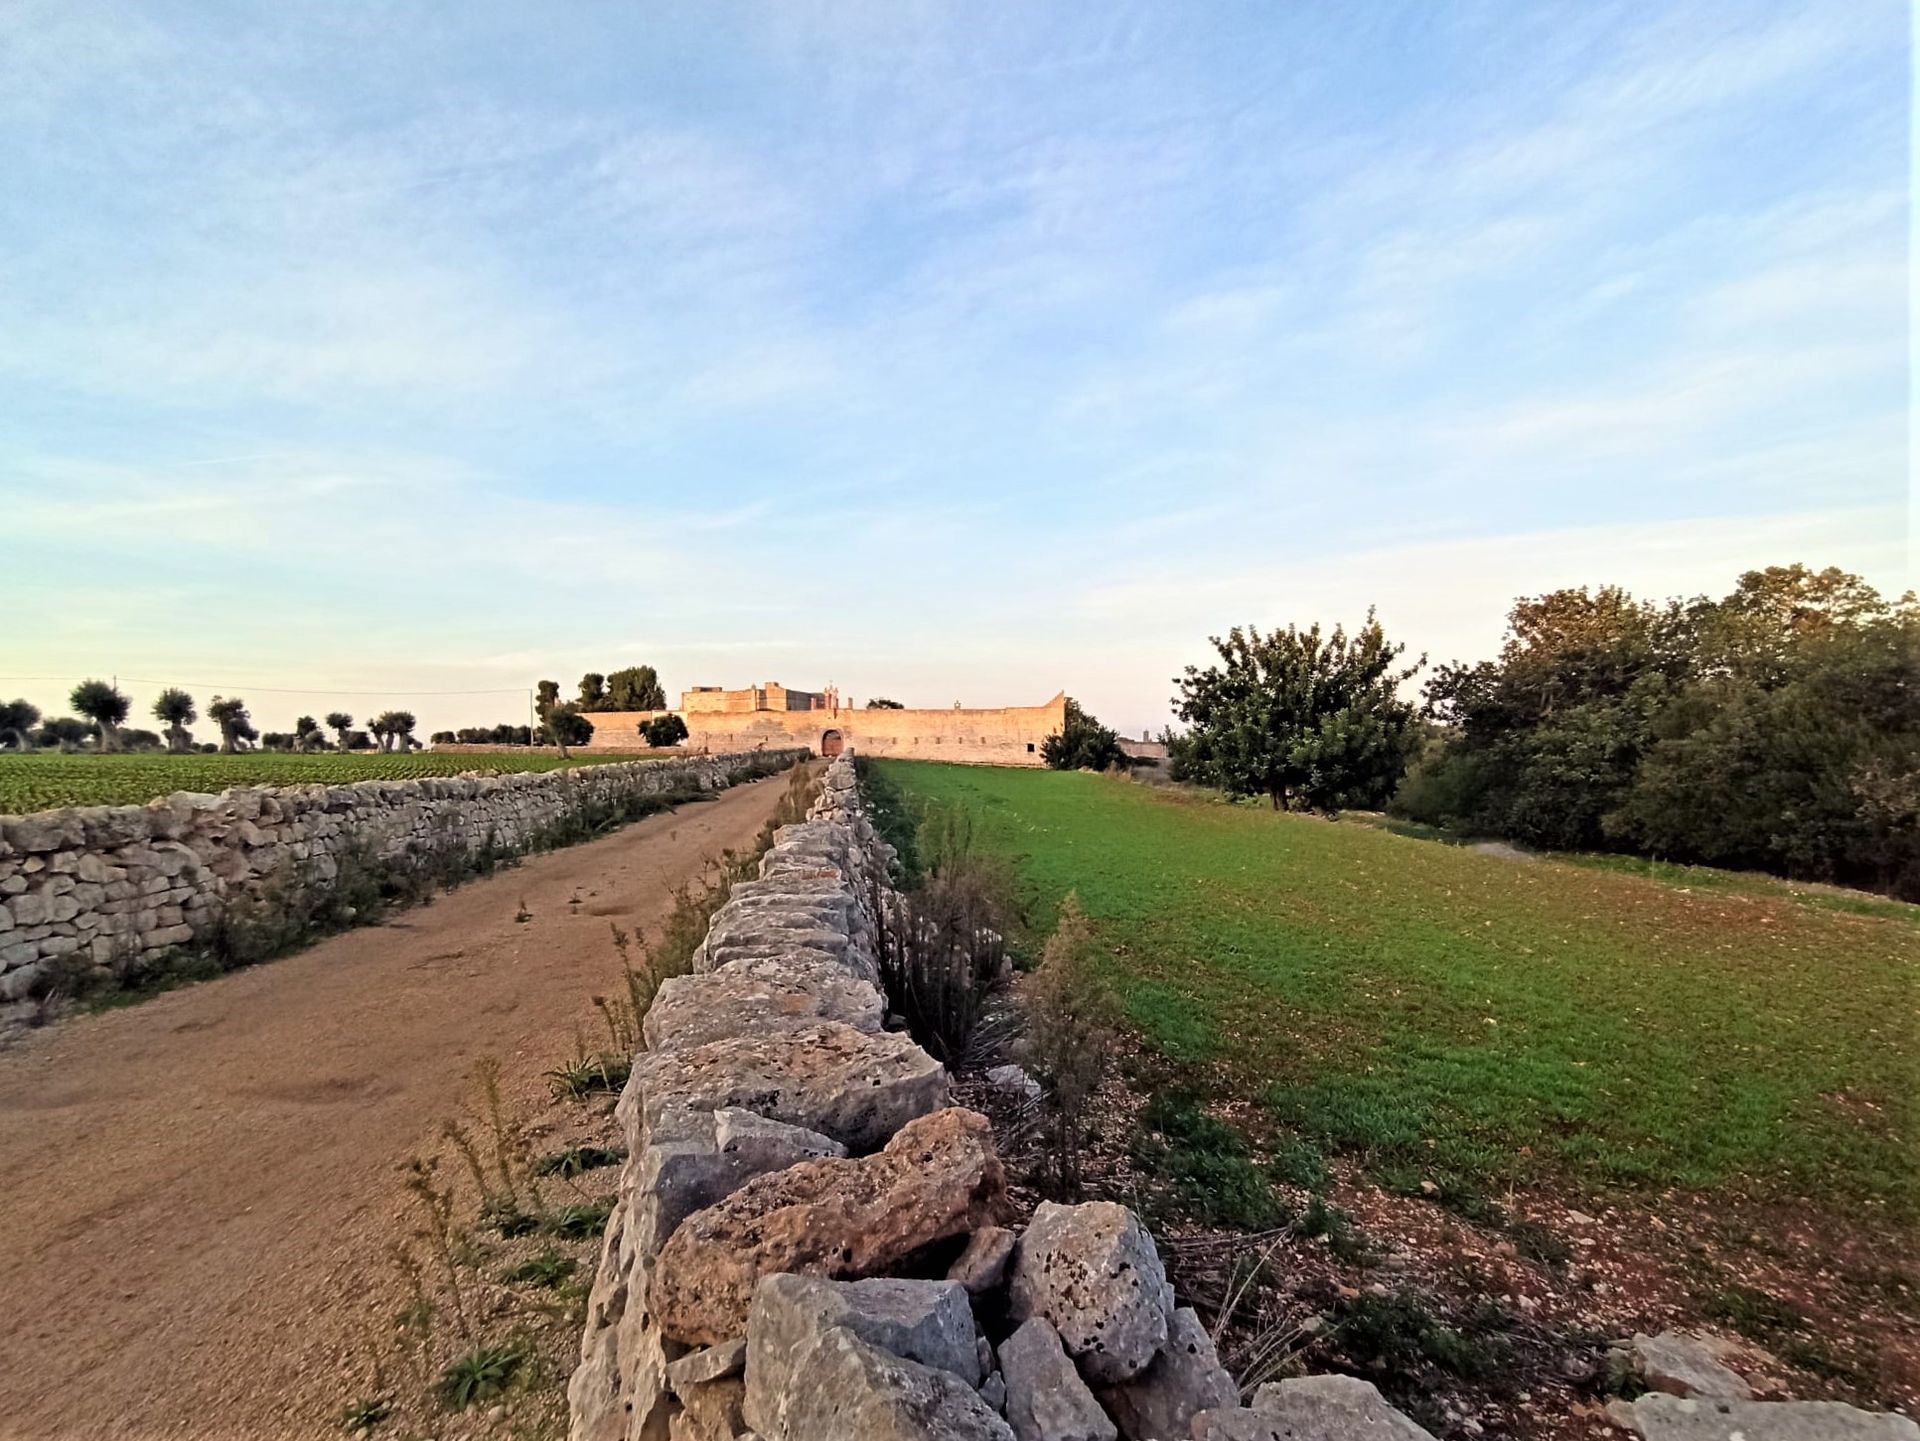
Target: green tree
[
  {"x": 547, "y": 697},
  {"x": 65, "y": 732},
  {"x": 1082, "y": 744},
  {"x": 340, "y": 723},
  {"x": 564, "y": 726},
  {"x": 880, "y": 702},
  {"x": 236, "y": 727},
  {"x": 1300, "y": 717},
  {"x": 664, "y": 730},
  {"x": 17, "y": 720},
  {"x": 635, "y": 688},
  {"x": 106, "y": 707},
  {"x": 307, "y": 734},
  {"x": 175, "y": 707},
  {"x": 593, "y": 691},
  {"x": 393, "y": 729}
]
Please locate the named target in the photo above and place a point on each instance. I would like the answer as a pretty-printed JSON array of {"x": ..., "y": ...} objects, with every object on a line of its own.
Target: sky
[{"x": 356, "y": 355}]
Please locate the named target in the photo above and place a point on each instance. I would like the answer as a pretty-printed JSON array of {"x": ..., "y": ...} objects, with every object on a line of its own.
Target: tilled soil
[{"x": 192, "y": 1189}]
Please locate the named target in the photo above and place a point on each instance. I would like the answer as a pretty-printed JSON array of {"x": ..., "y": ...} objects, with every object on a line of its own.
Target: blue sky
[{"x": 959, "y": 351}]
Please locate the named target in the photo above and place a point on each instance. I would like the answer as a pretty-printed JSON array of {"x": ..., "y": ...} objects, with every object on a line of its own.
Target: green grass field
[
  {"x": 1476, "y": 1019},
  {"x": 43, "y": 780}
]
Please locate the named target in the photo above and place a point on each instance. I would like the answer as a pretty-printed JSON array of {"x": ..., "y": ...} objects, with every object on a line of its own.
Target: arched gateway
[{"x": 832, "y": 743}]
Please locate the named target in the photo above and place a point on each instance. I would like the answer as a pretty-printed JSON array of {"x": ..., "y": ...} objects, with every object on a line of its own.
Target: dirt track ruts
[{"x": 193, "y": 1189}]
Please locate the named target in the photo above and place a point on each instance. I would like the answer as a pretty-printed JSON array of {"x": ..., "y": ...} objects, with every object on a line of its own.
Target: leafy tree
[
  {"x": 236, "y": 728},
  {"x": 443, "y": 738},
  {"x": 106, "y": 707},
  {"x": 140, "y": 740},
  {"x": 175, "y": 707},
  {"x": 564, "y": 726},
  {"x": 65, "y": 732},
  {"x": 307, "y": 734},
  {"x": 1776, "y": 728},
  {"x": 17, "y": 720},
  {"x": 393, "y": 729},
  {"x": 277, "y": 741},
  {"x": 1550, "y": 735},
  {"x": 1299, "y": 717},
  {"x": 593, "y": 691},
  {"x": 664, "y": 730},
  {"x": 880, "y": 702},
  {"x": 340, "y": 723},
  {"x": 635, "y": 688},
  {"x": 548, "y": 696},
  {"x": 1083, "y": 744},
  {"x": 357, "y": 741}
]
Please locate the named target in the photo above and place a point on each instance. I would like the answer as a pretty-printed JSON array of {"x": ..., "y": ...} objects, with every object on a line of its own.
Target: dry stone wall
[
  {"x": 113, "y": 887},
  {"x": 810, "y": 1243}
]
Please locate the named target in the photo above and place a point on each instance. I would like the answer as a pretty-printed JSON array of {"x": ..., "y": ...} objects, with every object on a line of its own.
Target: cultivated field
[
  {"x": 1480, "y": 1018},
  {"x": 41, "y": 781}
]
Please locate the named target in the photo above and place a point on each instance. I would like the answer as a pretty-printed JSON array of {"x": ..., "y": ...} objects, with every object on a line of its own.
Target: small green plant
[
  {"x": 580, "y": 1221},
  {"x": 1299, "y": 1163},
  {"x": 1206, "y": 1163},
  {"x": 1397, "y": 1333},
  {"x": 1755, "y": 1314},
  {"x": 503, "y": 1213},
  {"x": 366, "y": 1413},
  {"x": 481, "y": 1374},
  {"x": 578, "y": 1160},
  {"x": 585, "y": 1074},
  {"x": 548, "y": 1269}
]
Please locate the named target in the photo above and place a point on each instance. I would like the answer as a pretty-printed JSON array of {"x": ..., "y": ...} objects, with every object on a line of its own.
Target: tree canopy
[
  {"x": 175, "y": 707},
  {"x": 664, "y": 730},
  {"x": 1082, "y": 744},
  {"x": 17, "y": 720},
  {"x": 105, "y": 706},
  {"x": 236, "y": 727},
  {"x": 1777, "y": 728},
  {"x": 1304, "y": 718}
]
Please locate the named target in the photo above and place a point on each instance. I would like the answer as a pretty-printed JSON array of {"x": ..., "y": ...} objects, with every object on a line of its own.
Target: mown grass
[
  {"x": 43, "y": 780},
  {"x": 1441, "y": 1012}
]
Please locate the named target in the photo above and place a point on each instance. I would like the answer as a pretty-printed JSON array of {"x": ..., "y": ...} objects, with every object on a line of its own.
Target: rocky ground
[{"x": 1506, "y": 1320}]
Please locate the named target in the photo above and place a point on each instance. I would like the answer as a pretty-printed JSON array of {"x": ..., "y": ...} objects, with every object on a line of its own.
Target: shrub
[
  {"x": 1069, "y": 1034},
  {"x": 665, "y": 730},
  {"x": 1082, "y": 744}
]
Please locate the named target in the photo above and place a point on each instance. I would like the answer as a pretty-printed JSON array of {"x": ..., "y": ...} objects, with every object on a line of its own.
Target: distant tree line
[
  {"x": 1777, "y": 729},
  {"x": 101, "y": 724}
]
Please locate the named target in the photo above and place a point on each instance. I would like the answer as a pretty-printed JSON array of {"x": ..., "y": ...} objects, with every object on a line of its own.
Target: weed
[
  {"x": 1067, "y": 1041},
  {"x": 1537, "y": 1243},
  {"x": 577, "y": 1160},
  {"x": 1207, "y": 1164},
  {"x": 1755, "y": 1314},
  {"x": 580, "y": 1221},
  {"x": 547, "y": 1269},
  {"x": 482, "y": 1374},
  {"x": 1398, "y": 1333},
  {"x": 587, "y": 1074},
  {"x": 505, "y": 1216},
  {"x": 1299, "y": 1163},
  {"x": 366, "y": 1413}
]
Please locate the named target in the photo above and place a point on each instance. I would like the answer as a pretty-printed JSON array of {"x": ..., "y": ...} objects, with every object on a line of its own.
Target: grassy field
[
  {"x": 44, "y": 780},
  {"x": 1478, "y": 1019}
]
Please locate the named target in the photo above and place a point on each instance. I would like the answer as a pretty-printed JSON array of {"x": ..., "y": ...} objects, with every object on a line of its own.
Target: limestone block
[
  {"x": 849, "y": 1390},
  {"x": 693, "y": 1010},
  {"x": 856, "y": 1087},
  {"x": 706, "y": 1158},
  {"x": 835, "y": 1218},
  {"x": 928, "y": 1322},
  {"x": 1683, "y": 1365},
  {"x": 1046, "y": 1399},
  {"x": 982, "y": 1266},
  {"x": 1185, "y": 1379},
  {"x": 1670, "y": 1418},
  {"x": 1318, "y": 1408},
  {"x": 1093, "y": 1271}
]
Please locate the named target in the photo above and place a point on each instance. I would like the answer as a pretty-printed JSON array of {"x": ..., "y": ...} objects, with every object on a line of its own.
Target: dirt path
[{"x": 192, "y": 1190}]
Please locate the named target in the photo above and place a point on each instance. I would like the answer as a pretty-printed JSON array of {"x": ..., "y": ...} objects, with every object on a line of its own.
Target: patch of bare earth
[{"x": 201, "y": 1191}]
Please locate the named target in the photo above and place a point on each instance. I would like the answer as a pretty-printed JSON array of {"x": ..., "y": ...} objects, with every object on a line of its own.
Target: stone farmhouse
[{"x": 771, "y": 716}]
